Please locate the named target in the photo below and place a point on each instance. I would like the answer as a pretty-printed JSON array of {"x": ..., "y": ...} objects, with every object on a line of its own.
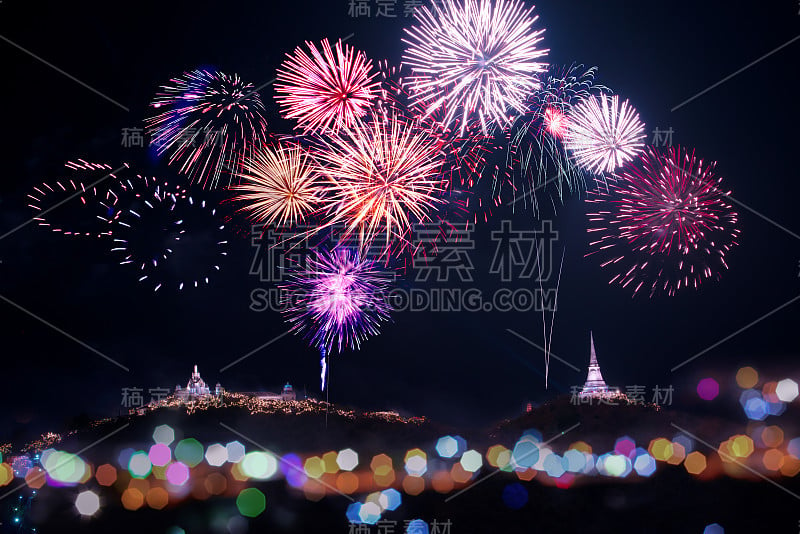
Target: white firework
[
  {"x": 602, "y": 134},
  {"x": 475, "y": 60}
]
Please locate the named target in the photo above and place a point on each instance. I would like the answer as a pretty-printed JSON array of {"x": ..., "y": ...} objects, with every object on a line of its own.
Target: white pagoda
[{"x": 595, "y": 386}]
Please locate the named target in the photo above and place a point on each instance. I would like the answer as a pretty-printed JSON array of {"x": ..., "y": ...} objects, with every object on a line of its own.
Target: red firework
[
  {"x": 381, "y": 178},
  {"x": 327, "y": 90},
  {"x": 665, "y": 223}
]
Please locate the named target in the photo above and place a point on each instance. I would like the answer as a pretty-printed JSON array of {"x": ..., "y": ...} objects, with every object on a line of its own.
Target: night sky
[{"x": 461, "y": 368}]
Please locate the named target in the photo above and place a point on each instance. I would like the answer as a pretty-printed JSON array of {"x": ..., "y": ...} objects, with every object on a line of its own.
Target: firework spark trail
[
  {"x": 665, "y": 223},
  {"x": 536, "y": 153},
  {"x": 603, "y": 135},
  {"x": 280, "y": 185},
  {"x": 476, "y": 59},
  {"x": 381, "y": 178},
  {"x": 327, "y": 90},
  {"x": 206, "y": 121}
]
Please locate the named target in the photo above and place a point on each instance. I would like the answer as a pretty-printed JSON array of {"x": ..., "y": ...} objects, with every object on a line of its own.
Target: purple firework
[
  {"x": 337, "y": 299},
  {"x": 205, "y": 121}
]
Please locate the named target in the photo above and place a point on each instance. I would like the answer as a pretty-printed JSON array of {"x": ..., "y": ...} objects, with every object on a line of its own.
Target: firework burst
[
  {"x": 474, "y": 59},
  {"x": 665, "y": 223},
  {"x": 171, "y": 240},
  {"x": 464, "y": 156},
  {"x": 382, "y": 177},
  {"x": 206, "y": 120},
  {"x": 280, "y": 185},
  {"x": 328, "y": 89},
  {"x": 337, "y": 300},
  {"x": 603, "y": 135},
  {"x": 87, "y": 183},
  {"x": 536, "y": 153}
]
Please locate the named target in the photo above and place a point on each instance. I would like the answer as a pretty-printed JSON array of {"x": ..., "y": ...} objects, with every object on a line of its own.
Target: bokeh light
[
  {"x": 189, "y": 451},
  {"x": 251, "y": 502},
  {"x": 164, "y": 434},
  {"x": 417, "y": 526},
  {"x": 314, "y": 467},
  {"x": 160, "y": 455},
  {"x": 515, "y": 496},
  {"x": 330, "y": 462},
  {"x": 106, "y": 475},
  {"x": 370, "y": 513},
  {"x": 87, "y": 503},
  {"x": 625, "y": 446},
  {"x": 772, "y": 436},
  {"x": 292, "y": 468},
  {"x": 575, "y": 461},
  {"x": 525, "y": 453},
  {"x": 64, "y": 467},
  {"x": 216, "y": 454},
  {"x": 347, "y": 459},
  {"x": 139, "y": 465},
  {"x": 157, "y": 498},
  {"x": 786, "y": 390},
  {"x": 708, "y": 389},
  {"x": 235, "y": 452},
  {"x": 390, "y": 499},
  {"x": 742, "y": 446},
  {"x": 177, "y": 473},
  {"x": 645, "y": 465},
  {"x": 695, "y": 463},
  {"x": 416, "y": 462},
  {"x": 447, "y": 447},
  {"x": 773, "y": 459},
  {"x": 260, "y": 465},
  {"x": 746, "y": 377},
  {"x": 793, "y": 447},
  {"x": 471, "y": 461},
  {"x": 132, "y": 499}
]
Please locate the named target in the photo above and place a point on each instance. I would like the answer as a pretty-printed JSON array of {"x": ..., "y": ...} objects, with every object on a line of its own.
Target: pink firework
[
  {"x": 555, "y": 122},
  {"x": 603, "y": 134},
  {"x": 475, "y": 59},
  {"x": 665, "y": 224},
  {"x": 80, "y": 199},
  {"x": 328, "y": 89},
  {"x": 338, "y": 299},
  {"x": 381, "y": 178}
]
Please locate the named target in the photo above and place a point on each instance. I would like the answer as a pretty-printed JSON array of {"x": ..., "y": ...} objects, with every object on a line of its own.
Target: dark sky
[{"x": 455, "y": 367}]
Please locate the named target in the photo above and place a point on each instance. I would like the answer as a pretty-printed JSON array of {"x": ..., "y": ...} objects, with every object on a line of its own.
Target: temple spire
[{"x": 595, "y": 385}]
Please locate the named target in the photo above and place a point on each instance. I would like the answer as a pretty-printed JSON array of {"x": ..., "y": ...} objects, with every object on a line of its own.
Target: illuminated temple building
[
  {"x": 595, "y": 386},
  {"x": 197, "y": 388},
  {"x": 287, "y": 394}
]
